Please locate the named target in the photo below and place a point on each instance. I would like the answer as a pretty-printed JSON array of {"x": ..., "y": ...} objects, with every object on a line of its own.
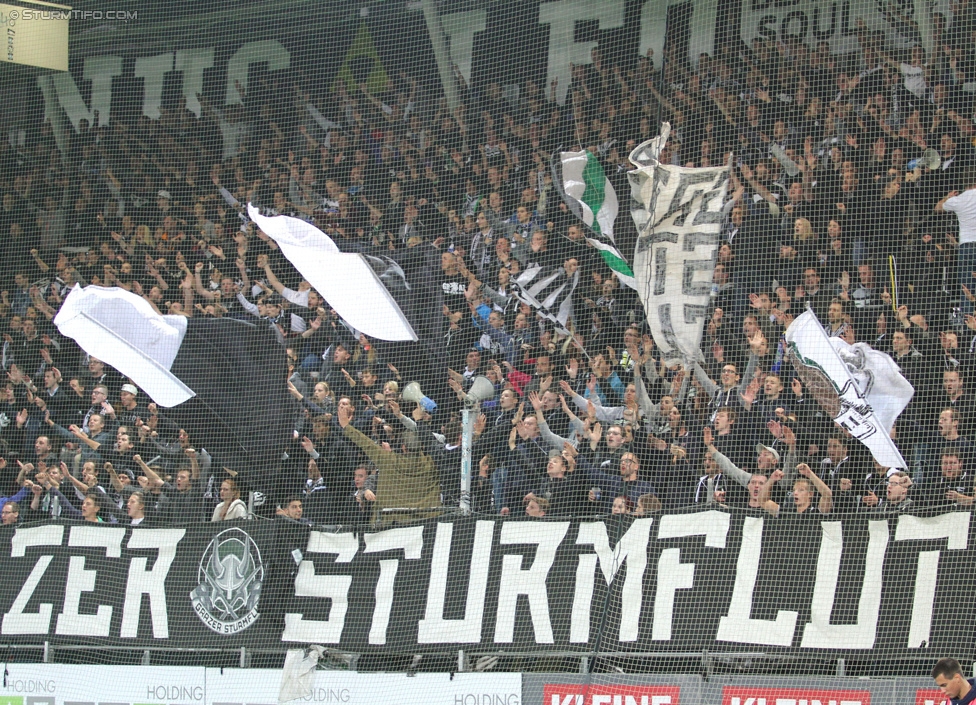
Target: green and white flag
[{"x": 590, "y": 196}]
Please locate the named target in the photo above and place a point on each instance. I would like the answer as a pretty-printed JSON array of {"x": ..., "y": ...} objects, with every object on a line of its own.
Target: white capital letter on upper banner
[
  {"x": 433, "y": 628},
  {"x": 99, "y": 70},
  {"x": 561, "y": 17},
  {"x": 192, "y": 63},
  {"x": 328, "y": 587},
  {"x": 738, "y": 626},
  {"x": 460, "y": 27},
  {"x": 152, "y": 70},
  {"x": 632, "y": 549},
  {"x": 819, "y": 633},
  {"x": 267, "y": 50},
  {"x": 531, "y": 582}
]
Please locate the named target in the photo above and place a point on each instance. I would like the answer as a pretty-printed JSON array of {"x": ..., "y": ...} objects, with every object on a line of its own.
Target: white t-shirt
[
  {"x": 964, "y": 206},
  {"x": 299, "y": 298},
  {"x": 914, "y": 80}
]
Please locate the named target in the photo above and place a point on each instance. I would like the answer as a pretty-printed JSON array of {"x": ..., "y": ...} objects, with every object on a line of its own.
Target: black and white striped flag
[{"x": 549, "y": 290}]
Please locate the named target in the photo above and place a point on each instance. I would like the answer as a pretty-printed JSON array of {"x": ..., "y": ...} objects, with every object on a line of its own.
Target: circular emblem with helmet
[{"x": 230, "y": 575}]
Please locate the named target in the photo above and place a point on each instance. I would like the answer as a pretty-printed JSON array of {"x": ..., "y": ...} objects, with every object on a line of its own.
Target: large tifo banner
[
  {"x": 683, "y": 581},
  {"x": 678, "y": 214}
]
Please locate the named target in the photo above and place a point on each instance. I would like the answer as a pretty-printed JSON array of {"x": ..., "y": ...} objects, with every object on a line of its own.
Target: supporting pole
[
  {"x": 442, "y": 54},
  {"x": 467, "y": 432}
]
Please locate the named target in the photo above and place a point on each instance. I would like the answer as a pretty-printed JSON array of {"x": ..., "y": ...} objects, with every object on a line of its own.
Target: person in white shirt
[
  {"x": 231, "y": 506},
  {"x": 964, "y": 206}
]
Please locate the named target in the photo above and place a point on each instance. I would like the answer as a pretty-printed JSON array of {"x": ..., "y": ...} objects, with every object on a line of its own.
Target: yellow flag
[{"x": 362, "y": 63}]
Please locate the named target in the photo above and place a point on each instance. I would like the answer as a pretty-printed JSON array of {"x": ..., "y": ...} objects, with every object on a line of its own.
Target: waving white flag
[
  {"x": 862, "y": 389},
  {"x": 347, "y": 280},
  {"x": 122, "y": 330}
]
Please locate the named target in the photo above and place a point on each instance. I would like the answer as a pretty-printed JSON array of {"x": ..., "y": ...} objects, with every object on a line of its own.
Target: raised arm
[
  {"x": 154, "y": 479},
  {"x": 551, "y": 438},
  {"x": 725, "y": 465},
  {"x": 826, "y": 496},
  {"x": 198, "y": 283},
  {"x": 372, "y": 451},
  {"x": 704, "y": 380},
  {"x": 764, "y": 501}
]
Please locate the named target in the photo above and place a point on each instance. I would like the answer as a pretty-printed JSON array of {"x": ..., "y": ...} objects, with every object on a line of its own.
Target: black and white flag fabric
[
  {"x": 549, "y": 291},
  {"x": 173, "y": 358},
  {"x": 678, "y": 214},
  {"x": 861, "y": 388},
  {"x": 121, "y": 329},
  {"x": 356, "y": 286}
]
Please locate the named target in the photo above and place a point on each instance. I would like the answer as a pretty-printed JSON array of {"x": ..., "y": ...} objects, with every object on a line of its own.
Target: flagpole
[{"x": 467, "y": 431}]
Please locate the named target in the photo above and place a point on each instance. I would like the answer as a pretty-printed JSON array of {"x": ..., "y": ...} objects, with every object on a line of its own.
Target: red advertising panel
[
  {"x": 581, "y": 694},
  {"x": 737, "y": 695},
  {"x": 930, "y": 696}
]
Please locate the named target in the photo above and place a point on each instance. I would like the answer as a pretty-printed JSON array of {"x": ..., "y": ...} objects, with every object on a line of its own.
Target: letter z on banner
[{"x": 678, "y": 213}]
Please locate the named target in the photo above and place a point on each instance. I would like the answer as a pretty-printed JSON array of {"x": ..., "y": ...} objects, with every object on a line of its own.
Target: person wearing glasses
[
  {"x": 10, "y": 514},
  {"x": 896, "y": 499}
]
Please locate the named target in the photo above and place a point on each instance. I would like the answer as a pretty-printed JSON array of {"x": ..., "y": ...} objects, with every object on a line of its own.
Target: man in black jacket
[
  {"x": 565, "y": 491},
  {"x": 182, "y": 502}
]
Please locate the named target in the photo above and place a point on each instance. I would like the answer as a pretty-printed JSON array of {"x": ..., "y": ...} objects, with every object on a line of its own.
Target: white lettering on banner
[
  {"x": 330, "y": 587},
  {"x": 433, "y": 628},
  {"x": 792, "y": 701},
  {"x": 70, "y": 622},
  {"x": 269, "y": 51},
  {"x": 460, "y": 27},
  {"x": 192, "y": 63},
  {"x": 411, "y": 542},
  {"x": 16, "y": 621},
  {"x": 672, "y": 574},
  {"x": 598, "y": 694},
  {"x": 738, "y": 695},
  {"x": 152, "y": 70},
  {"x": 561, "y": 16},
  {"x": 654, "y": 16},
  {"x": 955, "y": 528},
  {"x": 834, "y": 22},
  {"x": 149, "y": 582},
  {"x": 819, "y": 633},
  {"x": 632, "y": 549},
  {"x": 532, "y": 582},
  {"x": 100, "y": 70},
  {"x": 737, "y": 626}
]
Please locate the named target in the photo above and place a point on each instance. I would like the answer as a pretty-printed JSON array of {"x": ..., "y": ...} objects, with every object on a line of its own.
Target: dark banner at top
[{"x": 687, "y": 581}]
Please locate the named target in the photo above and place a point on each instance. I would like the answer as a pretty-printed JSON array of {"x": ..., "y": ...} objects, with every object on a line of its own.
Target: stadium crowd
[{"x": 834, "y": 204}]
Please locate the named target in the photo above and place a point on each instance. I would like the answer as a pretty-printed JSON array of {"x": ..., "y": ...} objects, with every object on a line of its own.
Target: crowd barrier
[{"x": 56, "y": 684}]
